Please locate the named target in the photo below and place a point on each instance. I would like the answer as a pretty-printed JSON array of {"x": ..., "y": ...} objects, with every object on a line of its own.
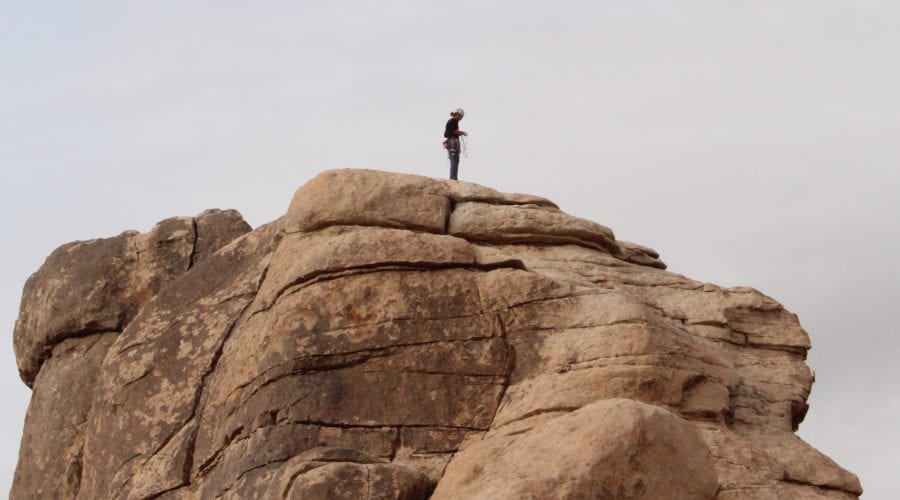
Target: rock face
[{"x": 400, "y": 337}]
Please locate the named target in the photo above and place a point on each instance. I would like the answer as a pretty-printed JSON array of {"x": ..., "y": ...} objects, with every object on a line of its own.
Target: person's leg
[{"x": 454, "y": 164}]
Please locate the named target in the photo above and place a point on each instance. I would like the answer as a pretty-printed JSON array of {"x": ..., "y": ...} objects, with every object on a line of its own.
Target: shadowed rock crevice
[
  {"x": 194, "y": 242},
  {"x": 393, "y": 336}
]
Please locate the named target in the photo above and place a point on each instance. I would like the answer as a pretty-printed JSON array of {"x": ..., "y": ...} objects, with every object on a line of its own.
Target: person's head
[{"x": 458, "y": 113}]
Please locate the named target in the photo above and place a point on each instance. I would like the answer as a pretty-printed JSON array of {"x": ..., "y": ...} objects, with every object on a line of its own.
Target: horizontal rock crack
[{"x": 387, "y": 266}]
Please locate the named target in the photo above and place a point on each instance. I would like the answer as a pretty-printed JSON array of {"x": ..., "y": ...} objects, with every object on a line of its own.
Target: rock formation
[{"x": 399, "y": 337}]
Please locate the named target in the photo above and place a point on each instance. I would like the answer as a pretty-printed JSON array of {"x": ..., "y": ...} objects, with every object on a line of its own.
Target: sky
[{"x": 750, "y": 143}]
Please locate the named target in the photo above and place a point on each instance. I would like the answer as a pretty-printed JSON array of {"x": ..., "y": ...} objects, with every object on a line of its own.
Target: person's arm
[{"x": 460, "y": 132}]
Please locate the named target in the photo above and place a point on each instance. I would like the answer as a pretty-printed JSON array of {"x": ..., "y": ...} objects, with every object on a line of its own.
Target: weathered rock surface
[
  {"x": 612, "y": 448},
  {"x": 332, "y": 473},
  {"x": 394, "y": 335},
  {"x": 89, "y": 287}
]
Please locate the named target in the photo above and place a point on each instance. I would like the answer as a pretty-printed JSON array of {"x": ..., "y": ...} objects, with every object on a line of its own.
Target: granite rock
[{"x": 393, "y": 335}]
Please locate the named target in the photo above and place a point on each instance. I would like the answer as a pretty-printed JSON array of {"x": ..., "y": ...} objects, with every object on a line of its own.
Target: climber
[{"x": 452, "y": 133}]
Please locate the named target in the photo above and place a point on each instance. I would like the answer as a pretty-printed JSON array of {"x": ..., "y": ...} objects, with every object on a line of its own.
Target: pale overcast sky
[{"x": 751, "y": 143}]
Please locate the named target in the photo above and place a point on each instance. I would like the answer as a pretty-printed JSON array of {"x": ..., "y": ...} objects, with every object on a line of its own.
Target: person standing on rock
[{"x": 452, "y": 133}]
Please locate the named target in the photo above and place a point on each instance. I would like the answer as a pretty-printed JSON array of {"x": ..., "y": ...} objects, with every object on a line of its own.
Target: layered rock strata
[{"x": 395, "y": 336}]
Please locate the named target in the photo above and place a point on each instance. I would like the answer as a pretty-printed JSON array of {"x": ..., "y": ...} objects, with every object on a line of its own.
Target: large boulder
[
  {"x": 392, "y": 334},
  {"x": 614, "y": 448},
  {"x": 73, "y": 309},
  {"x": 97, "y": 286}
]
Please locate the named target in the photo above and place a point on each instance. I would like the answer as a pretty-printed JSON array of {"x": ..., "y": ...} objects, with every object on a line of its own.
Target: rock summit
[{"x": 400, "y": 337}]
